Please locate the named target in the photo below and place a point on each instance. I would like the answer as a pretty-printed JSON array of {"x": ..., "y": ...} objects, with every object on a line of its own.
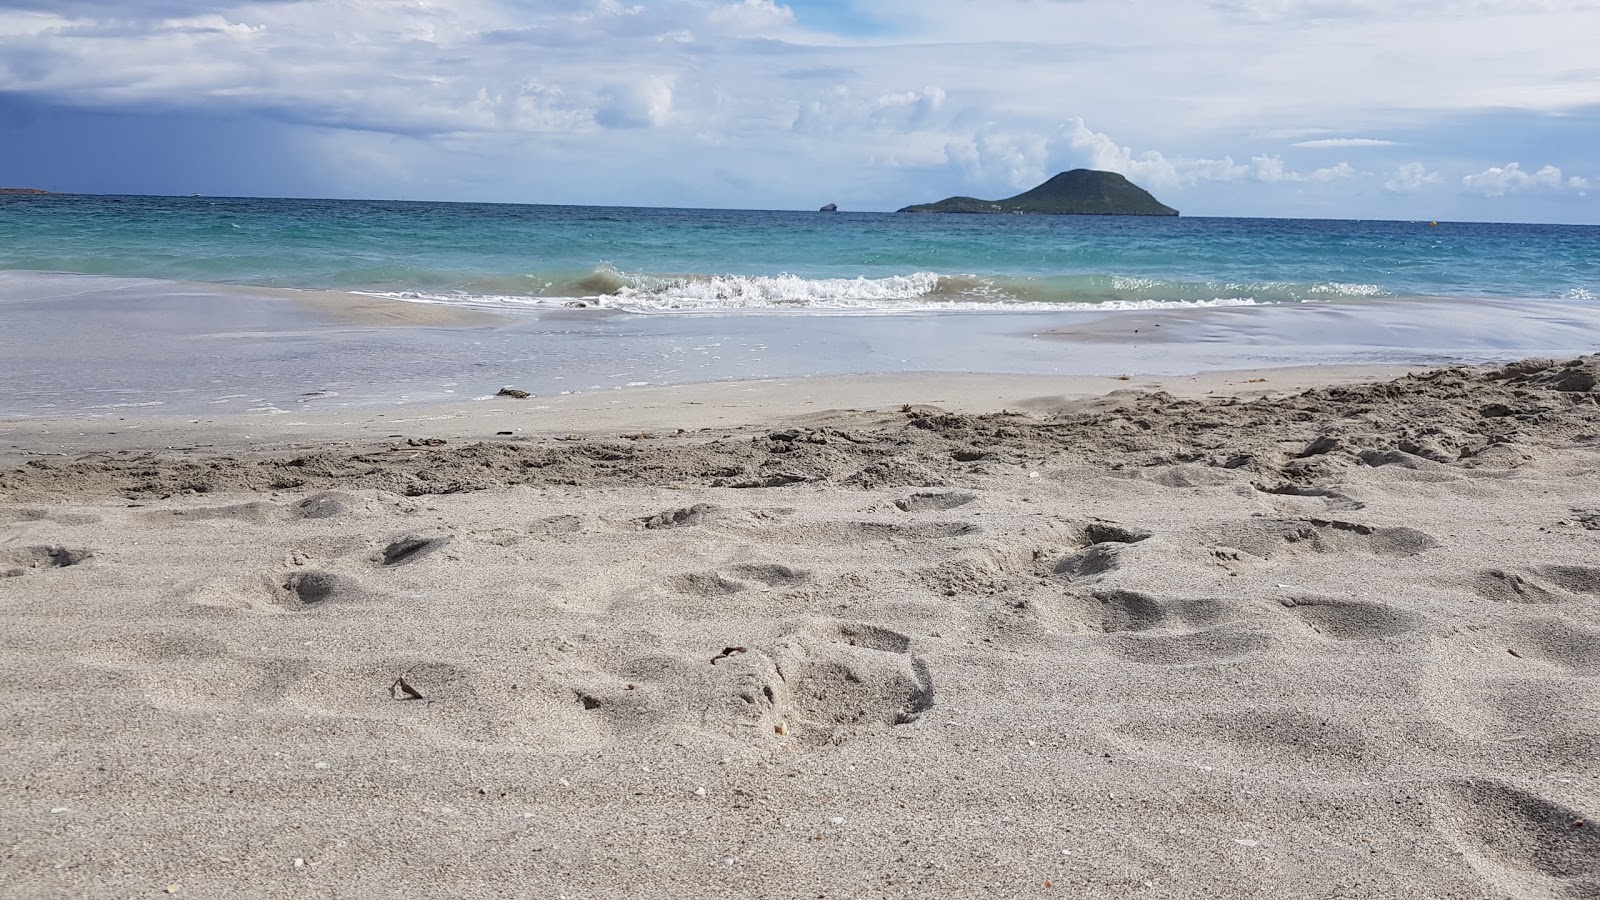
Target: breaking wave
[{"x": 608, "y": 288}]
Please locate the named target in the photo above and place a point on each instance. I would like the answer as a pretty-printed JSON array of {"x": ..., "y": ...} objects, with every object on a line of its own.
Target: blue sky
[{"x": 1478, "y": 109}]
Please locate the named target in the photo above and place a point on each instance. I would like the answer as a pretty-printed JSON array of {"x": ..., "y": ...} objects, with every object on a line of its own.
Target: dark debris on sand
[{"x": 1464, "y": 416}]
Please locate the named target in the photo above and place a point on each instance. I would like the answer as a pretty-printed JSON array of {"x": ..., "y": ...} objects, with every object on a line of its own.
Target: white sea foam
[
  {"x": 608, "y": 288},
  {"x": 650, "y": 304},
  {"x": 778, "y": 292},
  {"x": 1261, "y": 291}
]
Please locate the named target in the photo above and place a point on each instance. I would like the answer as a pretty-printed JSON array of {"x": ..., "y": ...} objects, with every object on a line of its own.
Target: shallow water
[{"x": 88, "y": 345}]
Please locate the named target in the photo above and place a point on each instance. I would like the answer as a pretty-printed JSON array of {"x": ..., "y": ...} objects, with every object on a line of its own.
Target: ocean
[
  {"x": 650, "y": 260},
  {"x": 600, "y": 296}
]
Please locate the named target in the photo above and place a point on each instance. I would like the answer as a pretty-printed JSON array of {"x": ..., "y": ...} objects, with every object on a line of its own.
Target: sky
[{"x": 1484, "y": 110}]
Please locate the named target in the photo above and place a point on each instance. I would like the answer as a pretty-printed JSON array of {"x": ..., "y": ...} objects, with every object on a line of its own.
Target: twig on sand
[
  {"x": 401, "y": 686},
  {"x": 727, "y": 652}
]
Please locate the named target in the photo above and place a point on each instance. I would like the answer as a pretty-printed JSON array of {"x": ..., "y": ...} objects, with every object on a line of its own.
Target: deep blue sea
[{"x": 678, "y": 259}]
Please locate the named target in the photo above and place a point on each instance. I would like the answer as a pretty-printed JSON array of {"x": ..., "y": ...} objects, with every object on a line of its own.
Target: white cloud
[
  {"x": 1270, "y": 169},
  {"x": 1344, "y": 142},
  {"x": 642, "y": 104},
  {"x": 1498, "y": 181},
  {"x": 840, "y": 109},
  {"x": 753, "y": 15},
  {"x": 1156, "y": 168},
  {"x": 1410, "y": 178},
  {"x": 1333, "y": 173},
  {"x": 1153, "y": 167},
  {"x": 991, "y": 158}
]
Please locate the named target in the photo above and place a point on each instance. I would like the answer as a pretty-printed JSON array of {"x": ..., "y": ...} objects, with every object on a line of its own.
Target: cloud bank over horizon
[{"x": 1484, "y": 110}]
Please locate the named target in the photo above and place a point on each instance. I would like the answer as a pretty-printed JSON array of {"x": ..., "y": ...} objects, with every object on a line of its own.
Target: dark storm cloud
[{"x": 68, "y": 148}]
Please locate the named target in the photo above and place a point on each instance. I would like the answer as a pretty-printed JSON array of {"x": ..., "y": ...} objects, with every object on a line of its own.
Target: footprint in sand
[
  {"x": 1544, "y": 584},
  {"x": 743, "y": 577},
  {"x": 412, "y": 548},
  {"x": 1351, "y": 620},
  {"x": 1380, "y": 458},
  {"x": 311, "y": 588},
  {"x": 1504, "y": 586},
  {"x": 1155, "y": 631},
  {"x": 22, "y": 560},
  {"x": 258, "y": 512},
  {"x": 1103, "y": 544},
  {"x": 706, "y": 584},
  {"x": 1523, "y": 844},
  {"x": 884, "y": 531},
  {"x": 1332, "y": 498},
  {"x": 711, "y": 515},
  {"x": 1557, "y": 642},
  {"x": 28, "y": 514},
  {"x": 934, "y": 502},
  {"x": 1280, "y": 537},
  {"x": 1574, "y": 579},
  {"x": 557, "y": 526},
  {"x": 837, "y": 681},
  {"x": 1211, "y": 646},
  {"x": 1137, "y": 611}
]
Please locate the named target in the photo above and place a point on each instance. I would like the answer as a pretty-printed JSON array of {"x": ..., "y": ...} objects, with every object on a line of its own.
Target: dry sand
[{"x": 1333, "y": 643}]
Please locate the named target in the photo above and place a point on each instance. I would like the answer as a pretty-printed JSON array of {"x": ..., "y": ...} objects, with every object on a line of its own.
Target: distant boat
[{"x": 831, "y": 207}]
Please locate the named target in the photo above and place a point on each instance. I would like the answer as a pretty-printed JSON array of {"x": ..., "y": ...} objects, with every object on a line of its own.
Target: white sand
[{"x": 1342, "y": 643}]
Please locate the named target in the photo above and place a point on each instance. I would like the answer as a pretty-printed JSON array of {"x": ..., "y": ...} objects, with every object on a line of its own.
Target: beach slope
[{"x": 1335, "y": 642}]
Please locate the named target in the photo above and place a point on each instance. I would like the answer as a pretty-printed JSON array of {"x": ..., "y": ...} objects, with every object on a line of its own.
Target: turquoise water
[
  {"x": 100, "y": 310},
  {"x": 656, "y": 259}
]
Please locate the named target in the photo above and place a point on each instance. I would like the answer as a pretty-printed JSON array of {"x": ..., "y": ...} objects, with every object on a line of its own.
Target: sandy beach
[
  {"x": 821, "y": 450},
  {"x": 1324, "y": 633}
]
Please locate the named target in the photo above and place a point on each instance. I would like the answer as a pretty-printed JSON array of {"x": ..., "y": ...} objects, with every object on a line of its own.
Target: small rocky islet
[{"x": 1080, "y": 192}]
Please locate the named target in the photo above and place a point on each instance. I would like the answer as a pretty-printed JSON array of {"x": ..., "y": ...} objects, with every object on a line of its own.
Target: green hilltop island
[{"x": 1080, "y": 192}]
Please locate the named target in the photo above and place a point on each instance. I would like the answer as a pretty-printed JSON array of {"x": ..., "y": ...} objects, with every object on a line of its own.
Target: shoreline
[
  {"x": 111, "y": 346},
  {"x": 1277, "y": 406},
  {"x": 600, "y": 413}
]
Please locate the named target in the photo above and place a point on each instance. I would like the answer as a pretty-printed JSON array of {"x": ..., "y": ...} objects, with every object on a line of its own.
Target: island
[
  {"x": 1080, "y": 192},
  {"x": 29, "y": 191}
]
